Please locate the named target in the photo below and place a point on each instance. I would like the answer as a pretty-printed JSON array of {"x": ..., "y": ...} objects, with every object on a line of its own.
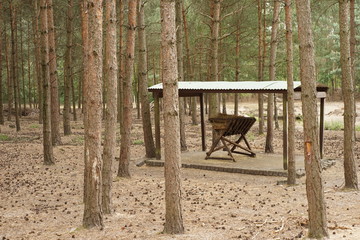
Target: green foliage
[
  {"x": 4, "y": 137},
  {"x": 34, "y": 125},
  {"x": 334, "y": 125},
  {"x": 138, "y": 142}
]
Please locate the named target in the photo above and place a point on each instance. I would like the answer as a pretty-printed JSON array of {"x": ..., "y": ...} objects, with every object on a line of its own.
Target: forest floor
[{"x": 45, "y": 202}]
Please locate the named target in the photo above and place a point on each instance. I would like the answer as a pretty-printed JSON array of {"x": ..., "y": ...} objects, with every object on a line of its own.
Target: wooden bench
[{"x": 226, "y": 126}]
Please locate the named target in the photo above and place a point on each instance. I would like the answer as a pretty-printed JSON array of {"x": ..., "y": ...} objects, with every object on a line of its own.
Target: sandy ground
[{"x": 45, "y": 202}]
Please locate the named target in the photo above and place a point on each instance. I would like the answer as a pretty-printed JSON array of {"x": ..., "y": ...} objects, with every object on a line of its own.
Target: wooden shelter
[{"x": 198, "y": 89}]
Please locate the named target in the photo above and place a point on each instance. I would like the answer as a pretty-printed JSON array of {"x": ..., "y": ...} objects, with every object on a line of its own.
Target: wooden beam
[
  {"x": 202, "y": 122},
  {"x": 285, "y": 132},
  {"x": 322, "y": 113},
  {"x": 157, "y": 126}
]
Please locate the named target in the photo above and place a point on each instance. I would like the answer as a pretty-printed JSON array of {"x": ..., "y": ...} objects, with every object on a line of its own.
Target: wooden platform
[{"x": 263, "y": 164}]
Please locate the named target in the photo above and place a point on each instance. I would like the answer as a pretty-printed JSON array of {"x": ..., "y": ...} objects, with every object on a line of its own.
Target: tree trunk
[
  {"x": 73, "y": 97},
  {"x": 22, "y": 66},
  {"x": 351, "y": 180},
  {"x": 45, "y": 76},
  {"x": 67, "y": 68},
  {"x": 173, "y": 215},
  {"x": 237, "y": 70},
  {"x": 189, "y": 67},
  {"x": 214, "y": 75},
  {"x": 54, "y": 89},
  {"x": 291, "y": 179},
  {"x": 121, "y": 67},
  {"x": 111, "y": 103},
  {"x": 143, "y": 84},
  {"x": 10, "y": 93},
  {"x": 180, "y": 66},
  {"x": 1, "y": 65},
  {"x": 29, "y": 66},
  {"x": 314, "y": 184},
  {"x": 272, "y": 73},
  {"x": 93, "y": 216},
  {"x": 14, "y": 75},
  {"x": 37, "y": 53},
  {"x": 123, "y": 170},
  {"x": 260, "y": 65}
]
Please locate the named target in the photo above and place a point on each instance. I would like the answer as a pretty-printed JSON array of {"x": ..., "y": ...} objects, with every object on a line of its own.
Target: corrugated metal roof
[{"x": 229, "y": 86}]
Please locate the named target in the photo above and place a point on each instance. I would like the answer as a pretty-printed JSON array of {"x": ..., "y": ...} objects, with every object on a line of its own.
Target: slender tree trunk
[
  {"x": 143, "y": 84},
  {"x": 111, "y": 103},
  {"x": 29, "y": 66},
  {"x": 350, "y": 171},
  {"x": 314, "y": 184},
  {"x": 10, "y": 93},
  {"x": 73, "y": 96},
  {"x": 121, "y": 67},
  {"x": 14, "y": 73},
  {"x": 260, "y": 65},
  {"x": 180, "y": 61},
  {"x": 22, "y": 66},
  {"x": 189, "y": 66},
  {"x": 353, "y": 52},
  {"x": 1, "y": 64},
  {"x": 237, "y": 68},
  {"x": 67, "y": 69},
  {"x": 173, "y": 215},
  {"x": 214, "y": 75},
  {"x": 93, "y": 215},
  {"x": 38, "y": 60},
  {"x": 272, "y": 73},
  {"x": 123, "y": 170},
  {"x": 291, "y": 179},
  {"x": 45, "y": 75},
  {"x": 54, "y": 89}
]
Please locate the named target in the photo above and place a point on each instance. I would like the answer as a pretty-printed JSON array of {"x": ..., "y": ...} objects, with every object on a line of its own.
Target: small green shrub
[
  {"x": 334, "y": 125},
  {"x": 4, "y": 137},
  {"x": 34, "y": 125},
  {"x": 138, "y": 142}
]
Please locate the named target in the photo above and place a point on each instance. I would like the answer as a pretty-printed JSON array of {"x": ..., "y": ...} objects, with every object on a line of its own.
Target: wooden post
[
  {"x": 157, "y": 126},
  {"x": 285, "y": 132},
  {"x": 202, "y": 122},
  {"x": 322, "y": 105}
]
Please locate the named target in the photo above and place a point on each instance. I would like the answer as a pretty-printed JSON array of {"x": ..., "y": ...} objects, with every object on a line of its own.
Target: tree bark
[
  {"x": 272, "y": 72},
  {"x": 22, "y": 67},
  {"x": 143, "y": 84},
  {"x": 68, "y": 69},
  {"x": 237, "y": 68},
  {"x": 121, "y": 67},
  {"x": 93, "y": 215},
  {"x": 111, "y": 103},
  {"x": 29, "y": 66},
  {"x": 54, "y": 89},
  {"x": 10, "y": 93},
  {"x": 214, "y": 75},
  {"x": 180, "y": 62},
  {"x": 173, "y": 215},
  {"x": 13, "y": 72},
  {"x": 45, "y": 76},
  {"x": 123, "y": 170},
  {"x": 189, "y": 67},
  {"x": 1, "y": 64},
  {"x": 350, "y": 171},
  {"x": 314, "y": 184},
  {"x": 37, "y": 53},
  {"x": 291, "y": 178}
]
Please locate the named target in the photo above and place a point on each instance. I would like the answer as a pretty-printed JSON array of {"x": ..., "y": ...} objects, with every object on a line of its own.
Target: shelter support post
[
  {"x": 157, "y": 125},
  {"x": 285, "y": 132},
  {"x": 322, "y": 113},
  {"x": 202, "y": 122}
]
